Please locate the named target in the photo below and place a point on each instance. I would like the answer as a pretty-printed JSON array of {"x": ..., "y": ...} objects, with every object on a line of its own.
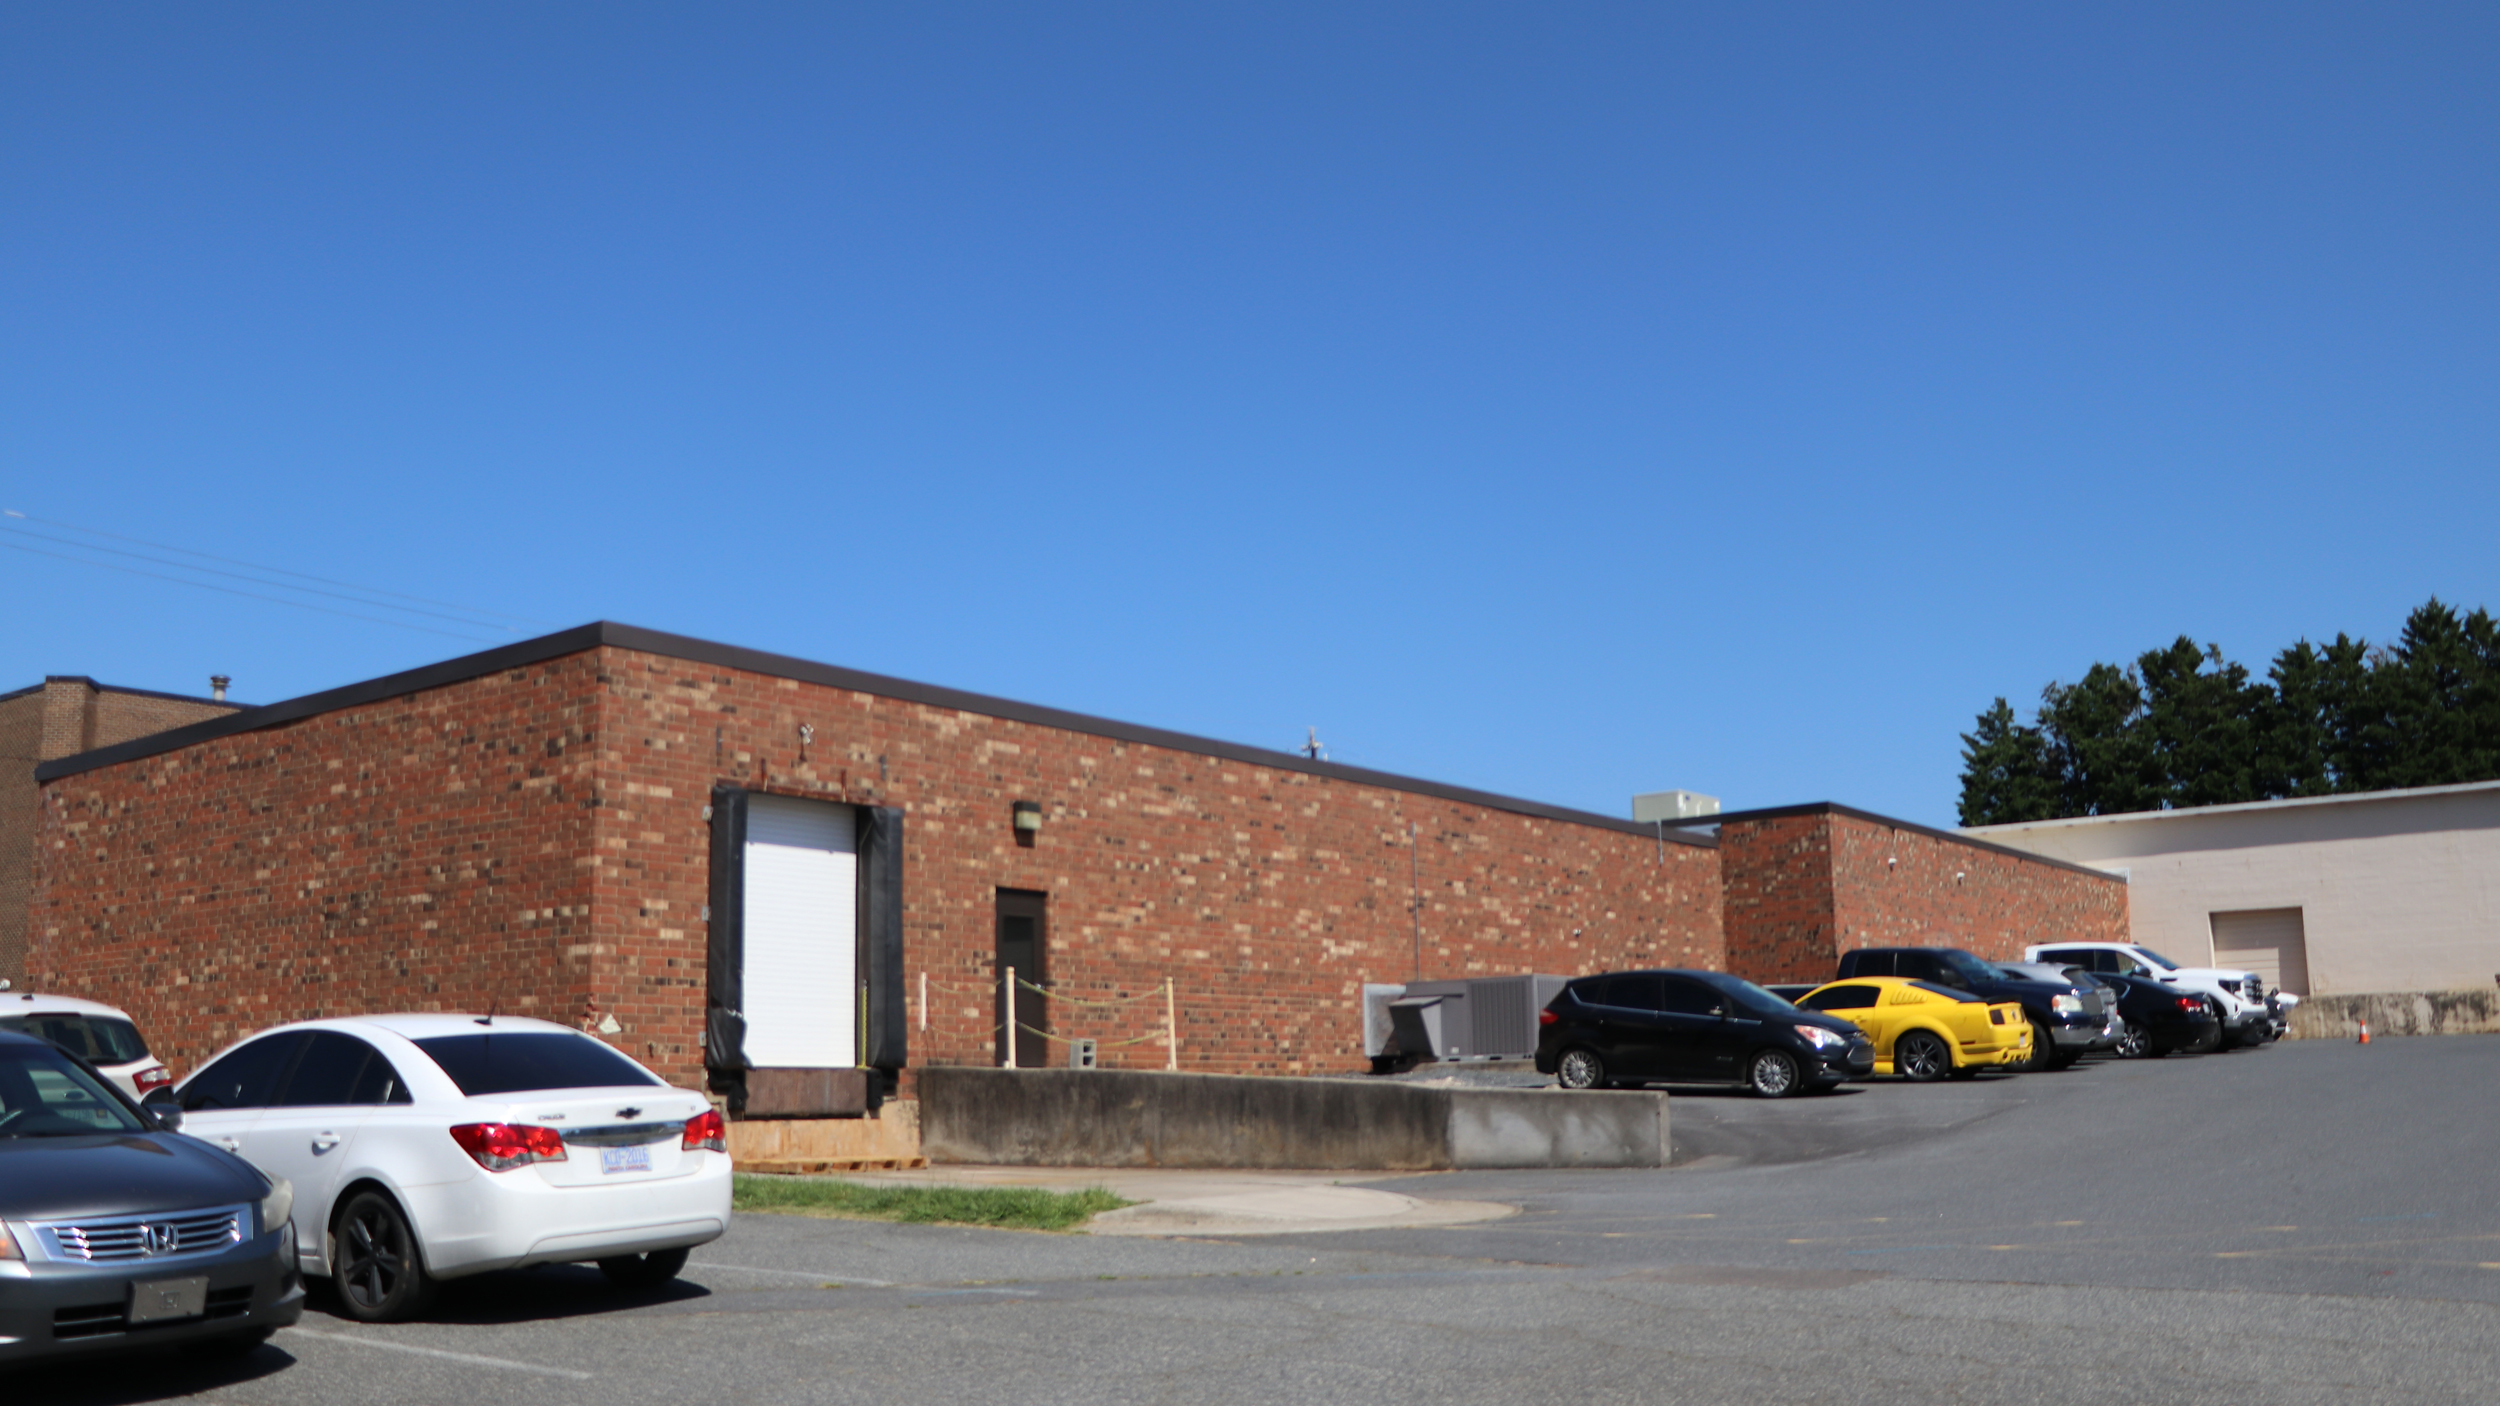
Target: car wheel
[
  {"x": 643, "y": 1271},
  {"x": 225, "y": 1347},
  {"x": 1921, "y": 1058},
  {"x": 1773, "y": 1073},
  {"x": 1580, "y": 1068},
  {"x": 2135, "y": 1044},
  {"x": 380, "y": 1275}
]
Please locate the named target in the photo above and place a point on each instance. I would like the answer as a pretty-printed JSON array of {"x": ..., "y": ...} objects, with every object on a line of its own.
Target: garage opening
[
  {"x": 2268, "y": 941},
  {"x": 802, "y": 934},
  {"x": 805, "y": 1006}
]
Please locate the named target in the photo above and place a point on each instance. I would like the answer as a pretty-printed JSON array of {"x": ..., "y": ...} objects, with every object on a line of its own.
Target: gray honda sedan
[{"x": 116, "y": 1232}]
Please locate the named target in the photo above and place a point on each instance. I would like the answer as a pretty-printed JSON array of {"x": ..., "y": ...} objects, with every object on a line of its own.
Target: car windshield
[
  {"x": 97, "y": 1039},
  {"x": 1755, "y": 998},
  {"x": 1962, "y": 996},
  {"x": 527, "y": 1061},
  {"x": 44, "y": 1094},
  {"x": 2156, "y": 958}
]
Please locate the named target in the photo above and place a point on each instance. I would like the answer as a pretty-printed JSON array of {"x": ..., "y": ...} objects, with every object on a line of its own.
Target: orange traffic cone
[{"x": 2365, "y": 1032}]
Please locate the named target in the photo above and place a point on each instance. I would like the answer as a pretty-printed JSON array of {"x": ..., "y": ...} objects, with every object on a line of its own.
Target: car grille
[{"x": 127, "y": 1238}]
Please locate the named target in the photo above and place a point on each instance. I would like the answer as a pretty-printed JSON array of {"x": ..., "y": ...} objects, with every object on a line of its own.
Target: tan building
[
  {"x": 64, "y": 715},
  {"x": 2383, "y": 905}
]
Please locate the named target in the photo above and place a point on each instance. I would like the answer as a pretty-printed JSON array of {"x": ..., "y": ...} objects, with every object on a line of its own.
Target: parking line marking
[
  {"x": 469, "y": 1357},
  {"x": 817, "y": 1275}
]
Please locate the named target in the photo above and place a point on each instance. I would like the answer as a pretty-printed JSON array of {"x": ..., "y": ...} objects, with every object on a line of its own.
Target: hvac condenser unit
[{"x": 1480, "y": 1019}]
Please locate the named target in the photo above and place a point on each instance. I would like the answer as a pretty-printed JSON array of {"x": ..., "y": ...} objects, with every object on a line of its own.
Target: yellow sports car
[{"x": 1924, "y": 1031}]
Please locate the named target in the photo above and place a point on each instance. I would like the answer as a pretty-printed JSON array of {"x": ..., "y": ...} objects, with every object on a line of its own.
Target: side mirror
[{"x": 161, "y": 1106}]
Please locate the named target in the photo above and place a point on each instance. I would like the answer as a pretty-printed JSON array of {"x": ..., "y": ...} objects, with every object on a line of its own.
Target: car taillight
[
  {"x": 1548, "y": 1018},
  {"x": 500, "y": 1147},
  {"x": 156, "y": 1078},
  {"x": 705, "y": 1130},
  {"x": 2192, "y": 1004}
]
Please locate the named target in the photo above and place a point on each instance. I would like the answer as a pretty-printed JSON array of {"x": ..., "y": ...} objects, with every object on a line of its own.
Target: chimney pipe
[{"x": 217, "y": 686}]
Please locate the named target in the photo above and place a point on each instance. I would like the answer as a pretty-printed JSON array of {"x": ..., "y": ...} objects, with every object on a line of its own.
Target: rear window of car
[
  {"x": 1963, "y": 996},
  {"x": 525, "y": 1062},
  {"x": 97, "y": 1039}
]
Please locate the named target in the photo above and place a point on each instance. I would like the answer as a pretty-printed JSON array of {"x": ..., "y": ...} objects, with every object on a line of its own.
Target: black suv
[
  {"x": 1693, "y": 1027},
  {"x": 2067, "y": 1021}
]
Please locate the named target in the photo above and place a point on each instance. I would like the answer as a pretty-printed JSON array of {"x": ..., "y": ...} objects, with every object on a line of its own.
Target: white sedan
[
  {"x": 428, "y": 1147},
  {"x": 102, "y": 1035}
]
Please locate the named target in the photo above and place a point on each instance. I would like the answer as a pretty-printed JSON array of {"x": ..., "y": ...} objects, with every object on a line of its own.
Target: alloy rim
[
  {"x": 375, "y": 1259},
  {"x": 1579, "y": 1070},
  {"x": 1922, "y": 1060},
  {"x": 1773, "y": 1075}
]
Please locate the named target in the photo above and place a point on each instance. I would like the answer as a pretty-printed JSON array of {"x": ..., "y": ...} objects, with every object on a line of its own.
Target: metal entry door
[{"x": 1024, "y": 944}]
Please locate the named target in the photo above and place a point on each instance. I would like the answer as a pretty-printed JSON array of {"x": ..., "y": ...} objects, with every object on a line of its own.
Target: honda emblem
[{"x": 158, "y": 1238}]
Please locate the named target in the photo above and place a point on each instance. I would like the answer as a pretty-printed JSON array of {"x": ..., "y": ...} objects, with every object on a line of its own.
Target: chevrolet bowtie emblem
[{"x": 629, "y": 1113}]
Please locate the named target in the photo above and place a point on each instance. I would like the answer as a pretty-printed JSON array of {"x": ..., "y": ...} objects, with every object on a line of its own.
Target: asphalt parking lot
[{"x": 2305, "y": 1222}]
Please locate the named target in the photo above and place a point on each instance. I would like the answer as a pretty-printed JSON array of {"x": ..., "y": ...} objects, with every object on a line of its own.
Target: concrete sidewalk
[{"x": 1220, "y": 1203}]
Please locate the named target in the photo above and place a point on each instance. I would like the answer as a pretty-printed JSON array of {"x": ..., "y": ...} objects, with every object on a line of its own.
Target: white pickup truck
[{"x": 2239, "y": 998}]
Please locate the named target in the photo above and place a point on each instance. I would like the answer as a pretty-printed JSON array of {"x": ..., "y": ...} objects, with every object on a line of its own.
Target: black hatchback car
[
  {"x": 1693, "y": 1027},
  {"x": 117, "y": 1232}
]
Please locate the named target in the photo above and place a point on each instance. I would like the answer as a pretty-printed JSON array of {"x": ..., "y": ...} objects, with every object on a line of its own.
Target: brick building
[
  {"x": 64, "y": 715},
  {"x": 1807, "y": 883},
  {"x": 773, "y": 874},
  {"x": 549, "y": 827}
]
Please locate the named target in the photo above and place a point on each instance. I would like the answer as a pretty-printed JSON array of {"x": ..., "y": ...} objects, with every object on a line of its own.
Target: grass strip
[{"x": 1000, "y": 1207}]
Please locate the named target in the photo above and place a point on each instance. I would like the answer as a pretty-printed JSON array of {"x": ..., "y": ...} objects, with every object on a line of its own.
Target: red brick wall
[
  {"x": 54, "y": 719},
  {"x": 427, "y": 852},
  {"x": 1901, "y": 888},
  {"x": 1802, "y": 889},
  {"x": 1780, "y": 919},
  {"x": 537, "y": 837},
  {"x": 1270, "y": 895}
]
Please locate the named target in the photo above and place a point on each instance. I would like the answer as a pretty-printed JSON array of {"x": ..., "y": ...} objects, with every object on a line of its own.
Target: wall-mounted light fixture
[{"x": 1028, "y": 818}]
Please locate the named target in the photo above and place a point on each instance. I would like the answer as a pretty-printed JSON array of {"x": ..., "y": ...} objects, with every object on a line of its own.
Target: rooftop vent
[{"x": 1672, "y": 805}]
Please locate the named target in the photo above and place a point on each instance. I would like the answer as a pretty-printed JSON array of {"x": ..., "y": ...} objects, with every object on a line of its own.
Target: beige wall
[{"x": 2398, "y": 890}]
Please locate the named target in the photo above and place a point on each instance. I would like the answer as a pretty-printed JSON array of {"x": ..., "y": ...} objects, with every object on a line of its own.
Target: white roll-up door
[
  {"x": 2268, "y": 941},
  {"x": 802, "y": 940}
]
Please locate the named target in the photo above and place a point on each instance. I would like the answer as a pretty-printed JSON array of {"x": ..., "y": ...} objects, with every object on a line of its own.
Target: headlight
[
  {"x": 1821, "y": 1038},
  {"x": 278, "y": 1207}
]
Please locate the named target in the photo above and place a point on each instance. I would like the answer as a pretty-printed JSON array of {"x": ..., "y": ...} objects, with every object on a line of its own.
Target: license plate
[
  {"x": 624, "y": 1159},
  {"x": 160, "y": 1299}
]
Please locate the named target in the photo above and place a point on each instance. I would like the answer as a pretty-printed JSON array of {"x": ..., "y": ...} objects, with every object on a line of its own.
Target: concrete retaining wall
[
  {"x": 2470, "y": 1011},
  {"x": 1128, "y": 1118}
]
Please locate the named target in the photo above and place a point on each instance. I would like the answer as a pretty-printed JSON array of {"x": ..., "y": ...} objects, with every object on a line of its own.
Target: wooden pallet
[{"x": 818, "y": 1166}]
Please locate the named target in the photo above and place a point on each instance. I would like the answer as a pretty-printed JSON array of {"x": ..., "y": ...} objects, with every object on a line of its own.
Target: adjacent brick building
[
  {"x": 64, "y": 715},
  {"x": 1807, "y": 883},
  {"x": 530, "y": 829}
]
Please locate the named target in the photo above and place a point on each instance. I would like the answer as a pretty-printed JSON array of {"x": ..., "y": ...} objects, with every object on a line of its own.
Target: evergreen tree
[
  {"x": 2183, "y": 726},
  {"x": 2006, "y": 771}
]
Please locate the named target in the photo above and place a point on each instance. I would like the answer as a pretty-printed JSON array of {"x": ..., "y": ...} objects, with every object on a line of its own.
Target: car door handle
[{"x": 323, "y": 1142}]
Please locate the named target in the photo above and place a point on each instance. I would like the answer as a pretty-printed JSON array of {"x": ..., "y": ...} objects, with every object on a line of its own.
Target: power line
[
  {"x": 238, "y": 576},
  {"x": 275, "y": 571},
  {"x": 249, "y": 595}
]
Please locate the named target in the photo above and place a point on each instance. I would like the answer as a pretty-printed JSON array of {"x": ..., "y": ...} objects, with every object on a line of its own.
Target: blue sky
[{"x": 1564, "y": 400}]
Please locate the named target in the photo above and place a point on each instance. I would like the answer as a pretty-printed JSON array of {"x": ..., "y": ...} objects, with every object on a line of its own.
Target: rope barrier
[
  {"x": 1082, "y": 1001},
  {"x": 1098, "y": 1042}
]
